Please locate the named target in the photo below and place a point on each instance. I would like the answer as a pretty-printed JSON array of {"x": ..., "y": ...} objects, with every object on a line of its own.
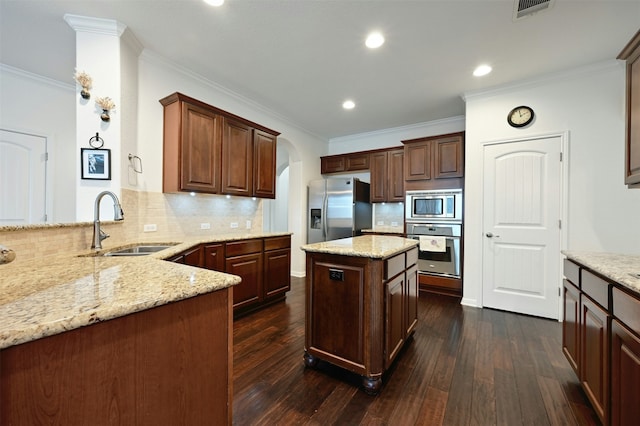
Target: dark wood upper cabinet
[
  {"x": 237, "y": 158},
  {"x": 192, "y": 148},
  {"x": 417, "y": 160},
  {"x": 631, "y": 54},
  {"x": 448, "y": 157},
  {"x": 264, "y": 160},
  {"x": 387, "y": 177},
  {"x": 436, "y": 157},
  {"x": 353, "y": 162},
  {"x": 210, "y": 150}
]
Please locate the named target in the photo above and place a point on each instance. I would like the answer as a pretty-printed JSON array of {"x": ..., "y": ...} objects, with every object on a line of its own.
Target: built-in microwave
[{"x": 434, "y": 205}]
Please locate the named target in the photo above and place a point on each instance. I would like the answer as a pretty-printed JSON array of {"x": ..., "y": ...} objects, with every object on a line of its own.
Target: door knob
[{"x": 490, "y": 235}]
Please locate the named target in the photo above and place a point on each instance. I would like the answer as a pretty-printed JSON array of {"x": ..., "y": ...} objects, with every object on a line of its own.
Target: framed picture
[{"x": 96, "y": 163}]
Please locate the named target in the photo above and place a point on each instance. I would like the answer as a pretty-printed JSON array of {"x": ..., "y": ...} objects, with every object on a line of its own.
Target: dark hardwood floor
[{"x": 465, "y": 366}]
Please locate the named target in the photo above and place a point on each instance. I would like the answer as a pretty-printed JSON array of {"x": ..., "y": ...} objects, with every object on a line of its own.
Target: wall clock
[{"x": 520, "y": 116}]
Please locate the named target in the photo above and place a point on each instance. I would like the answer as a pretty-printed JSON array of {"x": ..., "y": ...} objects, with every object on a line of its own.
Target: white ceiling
[{"x": 303, "y": 58}]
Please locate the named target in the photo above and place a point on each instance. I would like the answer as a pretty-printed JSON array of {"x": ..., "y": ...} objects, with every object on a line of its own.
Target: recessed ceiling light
[
  {"x": 214, "y": 2},
  {"x": 374, "y": 40},
  {"x": 348, "y": 104},
  {"x": 482, "y": 70}
]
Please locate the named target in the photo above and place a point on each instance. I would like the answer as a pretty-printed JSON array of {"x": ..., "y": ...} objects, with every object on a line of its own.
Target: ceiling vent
[{"x": 524, "y": 8}]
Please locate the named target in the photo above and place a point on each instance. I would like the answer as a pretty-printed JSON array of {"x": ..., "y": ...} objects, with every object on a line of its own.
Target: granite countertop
[
  {"x": 621, "y": 268},
  {"x": 393, "y": 230},
  {"x": 77, "y": 289},
  {"x": 373, "y": 246}
]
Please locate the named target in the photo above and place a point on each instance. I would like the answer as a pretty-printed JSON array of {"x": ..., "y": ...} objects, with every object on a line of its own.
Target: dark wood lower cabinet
[
  {"x": 264, "y": 264},
  {"x": 249, "y": 268},
  {"x": 601, "y": 341},
  {"x": 594, "y": 362},
  {"x": 169, "y": 365},
  {"x": 571, "y": 324},
  {"x": 625, "y": 375}
]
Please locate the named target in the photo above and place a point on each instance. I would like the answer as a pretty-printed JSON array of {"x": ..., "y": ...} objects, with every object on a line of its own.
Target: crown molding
[
  {"x": 37, "y": 77},
  {"x": 95, "y": 25},
  {"x": 571, "y": 74},
  {"x": 160, "y": 60}
]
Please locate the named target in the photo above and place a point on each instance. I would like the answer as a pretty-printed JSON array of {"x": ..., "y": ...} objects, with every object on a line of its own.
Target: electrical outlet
[
  {"x": 380, "y": 222},
  {"x": 248, "y": 224},
  {"x": 394, "y": 223},
  {"x": 205, "y": 225},
  {"x": 150, "y": 227},
  {"x": 234, "y": 224}
]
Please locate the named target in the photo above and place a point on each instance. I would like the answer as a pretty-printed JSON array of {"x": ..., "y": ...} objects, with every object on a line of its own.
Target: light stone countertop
[
  {"x": 77, "y": 289},
  {"x": 385, "y": 230},
  {"x": 372, "y": 246},
  {"x": 621, "y": 268}
]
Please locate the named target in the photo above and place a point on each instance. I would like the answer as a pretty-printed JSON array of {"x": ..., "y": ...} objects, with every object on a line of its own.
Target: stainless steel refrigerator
[{"x": 338, "y": 208}]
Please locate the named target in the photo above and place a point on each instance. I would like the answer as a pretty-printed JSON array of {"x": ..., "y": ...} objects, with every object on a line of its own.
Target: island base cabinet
[
  {"x": 360, "y": 312},
  {"x": 167, "y": 365}
]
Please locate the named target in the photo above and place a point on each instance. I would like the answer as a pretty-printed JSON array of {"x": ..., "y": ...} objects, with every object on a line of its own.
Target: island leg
[
  {"x": 310, "y": 360},
  {"x": 372, "y": 385}
]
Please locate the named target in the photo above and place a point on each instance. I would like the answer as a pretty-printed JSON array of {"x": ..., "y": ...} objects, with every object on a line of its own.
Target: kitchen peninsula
[
  {"x": 91, "y": 339},
  {"x": 361, "y": 303}
]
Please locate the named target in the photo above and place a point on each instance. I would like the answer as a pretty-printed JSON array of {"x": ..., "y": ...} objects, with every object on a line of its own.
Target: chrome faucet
[{"x": 118, "y": 214}]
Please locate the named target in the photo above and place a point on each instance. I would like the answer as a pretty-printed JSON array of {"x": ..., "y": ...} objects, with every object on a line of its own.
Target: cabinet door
[
  {"x": 631, "y": 54},
  {"x": 417, "y": 161},
  {"x": 571, "y": 325},
  {"x": 200, "y": 149},
  {"x": 335, "y": 315},
  {"x": 448, "y": 158},
  {"x": 193, "y": 256},
  {"x": 237, "y": 158},
  {"x": 214, "y": 257},
  {"x": 625, "y": 375},
  {"x": 264, "y": 164},
  {"x": 411, "y": 295},
  {"x": 378, "y": 188},
  {"x": 332, "y": 164},
  {"x": 249, "y": 268},
  {"x": 395, "y": 175},
  {"x": 356, "y": 162},
  {"x": 594, "y": 360},
  {"x": 395, "y": 318},
  {"x": 277, "y": 272}
]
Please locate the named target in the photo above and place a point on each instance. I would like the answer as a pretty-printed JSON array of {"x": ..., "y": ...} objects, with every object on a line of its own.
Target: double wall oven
[{"x": 434, "y": 218}]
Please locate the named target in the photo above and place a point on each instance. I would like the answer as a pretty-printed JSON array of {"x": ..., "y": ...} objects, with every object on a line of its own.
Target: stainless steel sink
[{"x": 140, "y": 250}]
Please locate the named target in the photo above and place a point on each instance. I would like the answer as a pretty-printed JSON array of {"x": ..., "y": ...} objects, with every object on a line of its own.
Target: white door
[
  {"x": 522, "y": 210},
  {"x": 22, "y": 178}
]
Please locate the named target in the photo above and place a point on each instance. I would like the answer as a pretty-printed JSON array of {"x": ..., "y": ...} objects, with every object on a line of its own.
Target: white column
[{"x": 98, "y": 54}]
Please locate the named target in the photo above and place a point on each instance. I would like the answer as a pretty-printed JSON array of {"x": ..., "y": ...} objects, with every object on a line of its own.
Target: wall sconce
[
  {"x": 107, "y": 105},
  {"x": 84, "y": 80}
]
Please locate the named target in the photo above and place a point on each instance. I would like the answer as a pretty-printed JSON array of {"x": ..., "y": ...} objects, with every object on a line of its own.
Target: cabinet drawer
[
  {"x": 412, "y": 257},
  {"x": 275, "y": 243},
  {"x": 595, "y": 287},
  {"x": 394, "y": 266},
  {"x": 236, "y": 248},
  {"x": 627, "y": 309},
  {"x": 572, "y": 272}
]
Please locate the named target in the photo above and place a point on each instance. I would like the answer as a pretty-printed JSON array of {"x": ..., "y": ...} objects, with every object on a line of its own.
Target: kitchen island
[
  {"x": 87, "y": 339},
  {"x": 361, "y": 303}
]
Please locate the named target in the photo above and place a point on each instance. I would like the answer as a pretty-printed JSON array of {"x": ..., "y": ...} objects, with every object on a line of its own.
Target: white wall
[
  {"x": 33, "y": 104},
  {"x": 588, "y": 103},
  {"x": 393, "y": 137},
  {"x": 158, "y": 78}
]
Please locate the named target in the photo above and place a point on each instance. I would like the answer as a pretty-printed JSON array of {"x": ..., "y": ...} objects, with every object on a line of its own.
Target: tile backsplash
[
  {"x": 174, "y": 216},
  {"x": 390, "y": 214}
]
